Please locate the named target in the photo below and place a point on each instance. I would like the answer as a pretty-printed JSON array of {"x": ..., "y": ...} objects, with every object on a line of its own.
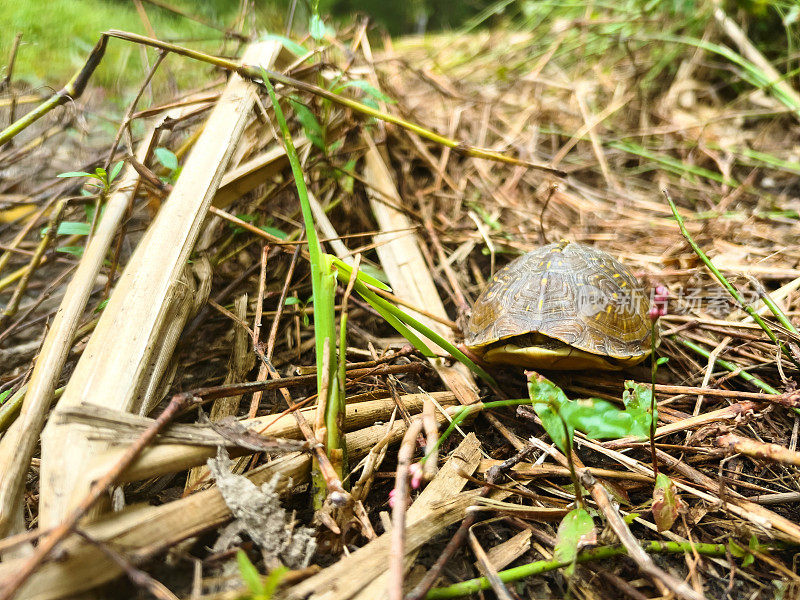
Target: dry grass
[{"x": 625, "y": 114}]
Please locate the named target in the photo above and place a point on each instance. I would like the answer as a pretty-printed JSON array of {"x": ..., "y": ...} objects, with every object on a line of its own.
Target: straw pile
[{"x": 196, "y": 277}]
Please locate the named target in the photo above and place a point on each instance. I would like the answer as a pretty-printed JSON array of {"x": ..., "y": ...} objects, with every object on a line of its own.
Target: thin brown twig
[
  {"x": 137, "y": 576},
  {"x": 401, "y": 501}
]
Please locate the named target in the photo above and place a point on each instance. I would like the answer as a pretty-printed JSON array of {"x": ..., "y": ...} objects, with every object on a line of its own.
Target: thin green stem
[
  {"x": 72, "y": 90},
  {"x": 726, "y": 284},
  {"x": 728, "y": 365},
  {"x": 323, "y": 285},
  {"x": 653, "y": 370},
  {"x": 538, "y": 567},
  {"x": 774, "y": 308},
  {"x": 576, "y": 483},
  {"x": 466, "y": 411}
]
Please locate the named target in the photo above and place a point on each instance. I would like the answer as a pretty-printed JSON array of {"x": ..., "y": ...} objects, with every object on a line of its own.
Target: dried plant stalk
[
  {"x": 144, "y": 532},
  {"x": 170, "y": 457},
  {"x": 19, "y": 443},
  {"x": 406, "y": 268},
  {"x": 116, "y": 363}
]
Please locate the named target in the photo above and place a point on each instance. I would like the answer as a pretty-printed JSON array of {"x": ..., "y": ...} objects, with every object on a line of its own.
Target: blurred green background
[{"x": 58, "y": 34}]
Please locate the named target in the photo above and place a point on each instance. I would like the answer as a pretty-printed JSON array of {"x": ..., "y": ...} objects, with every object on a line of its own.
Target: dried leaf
[
  {"x": 259, "y": 514},
  {"x": 666, "y": 503}
]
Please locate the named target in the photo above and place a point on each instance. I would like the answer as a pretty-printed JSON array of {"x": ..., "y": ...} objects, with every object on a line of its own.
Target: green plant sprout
[
  {"x": 167, "y": 159},
  {"x": 101, "y": 181},
  {"x": 295, "y": 301},
  {"x": 323, "y": 286},
  {"x": 260, "y": 588}
]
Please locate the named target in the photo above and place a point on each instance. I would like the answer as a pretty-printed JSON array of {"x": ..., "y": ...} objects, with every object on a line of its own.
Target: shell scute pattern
[{"x": 573, "y": 293}]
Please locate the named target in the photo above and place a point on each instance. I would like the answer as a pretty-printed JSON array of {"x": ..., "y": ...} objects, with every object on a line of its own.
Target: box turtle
[{"x": 564, "y": 306}]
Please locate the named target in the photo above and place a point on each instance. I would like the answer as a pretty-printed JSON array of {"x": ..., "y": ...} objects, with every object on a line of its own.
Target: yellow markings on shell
[
  {"x": 549, "y": 262},
  {"x": 541, "y": 303},
  {"x": 616, "y": 275}
]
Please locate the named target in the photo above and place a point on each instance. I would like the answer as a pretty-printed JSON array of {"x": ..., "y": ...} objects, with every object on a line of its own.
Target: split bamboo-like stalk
[
  {"x": 117, "y": 363},
  {"x": 19, "y": 443},
  {"x": 254, "y": 172},
  {"x": 406, "y": 268},
  {"x": 144, "y": 532},
  {"x": 194, "y": 444}
]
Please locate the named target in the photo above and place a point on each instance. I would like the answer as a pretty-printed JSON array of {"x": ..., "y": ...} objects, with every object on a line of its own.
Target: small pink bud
[
  {"x": 659, "y": 307},
  {"x": 391, "y": 498},
  {"x": 416, "y": 475}
]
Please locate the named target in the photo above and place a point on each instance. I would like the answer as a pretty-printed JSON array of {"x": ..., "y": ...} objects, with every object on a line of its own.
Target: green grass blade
[
  {"x": 424, "y": 330},
  {"x": 726, "y": 284}
]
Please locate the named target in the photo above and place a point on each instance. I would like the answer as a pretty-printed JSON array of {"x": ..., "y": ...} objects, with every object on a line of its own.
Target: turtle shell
[{"x": 570, "y": 293}]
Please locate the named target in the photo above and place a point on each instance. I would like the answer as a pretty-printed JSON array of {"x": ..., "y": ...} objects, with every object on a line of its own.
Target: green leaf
[
  {"x": 546, "y": 399},
  {"x": 273, "y": 580},
  {"x": 74, "y": 250},
  {"x": 347, "y": 180},
  {"x": 374, "y": 272},
  {"x": 288, "y": 43},
  {"x": 291, "y": 300},
  {"x": 167, "y": 158},
  {"x": 73, "y": 228},
  {"x": 115, "y": 171},
  {"x": 75, "y": 174},
  {"x": 666, "y": 503},
  {"x": 602, "y": 420},
  {"x": 752, "y": 544},
  {"x": 365, "y": 87},
  {"x": 372, "y": 299},
  {"x": 100, "y": 173},
  {"x": 663, "y": 360},
  {"x": 101, "y": 306},
  {"x": 274, "y": 231},
  {"x": 249, "y": 575},
  {"x": 598, "y": 419},
  {"x": 735, "y": 549},
  {"x": 360, "y": 276},
  {"x": 630, "y": 517},
  {"x": 309, "y": 123},
  {"x": 575, "y": 531},
  {"x": 748, "y": 560},
  {"x": 4, "y": 396},
  {"x": 316, "y": 28}
]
